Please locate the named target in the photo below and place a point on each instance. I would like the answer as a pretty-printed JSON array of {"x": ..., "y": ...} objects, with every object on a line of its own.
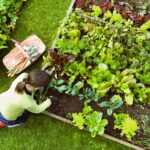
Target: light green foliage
[
  {"x": 75, "y": 69},
  {"x": 143, "y": 95},
  {"x": 118, "y": 45},
  {"x": 116, "y": 18},
  {"x": 127, "y": 125},
  {"x": 145, "y": 26},
  {"x": 123, "y": 82},
  {"x": 114, "y": 103},
  {"x": 90, "y": 119},
  {"x": 96, "y": 11},
  {"x": 8, "y": 18},
  {"x": 78, "y": 120},
  {"x": 68, "y": 46},
  {"x": 101, "y": 79},
  {"x": 143, "y": 73}
]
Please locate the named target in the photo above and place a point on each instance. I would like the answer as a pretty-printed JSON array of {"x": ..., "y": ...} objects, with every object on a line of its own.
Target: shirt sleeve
[
  {"x": 18, "y": 79},
  {"x": 35, "y": 108}
]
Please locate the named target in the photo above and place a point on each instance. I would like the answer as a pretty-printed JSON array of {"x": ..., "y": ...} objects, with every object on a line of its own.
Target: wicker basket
[{"x": 10, "y": 59}]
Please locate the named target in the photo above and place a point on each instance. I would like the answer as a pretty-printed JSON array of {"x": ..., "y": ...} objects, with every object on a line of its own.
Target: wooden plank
[
  {"x": 104, "y": 135},
  {"x": 58, "y": 117}
]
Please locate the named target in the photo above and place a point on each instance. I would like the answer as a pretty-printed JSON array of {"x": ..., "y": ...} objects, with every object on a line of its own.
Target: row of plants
[
  {"x": 99, "y": 53},
  {"x": 9, "y": 12},
  {"x": 139, "y": 13},
  {"x": 107, "y": 57},
  {"x": 91, "y": 119}
]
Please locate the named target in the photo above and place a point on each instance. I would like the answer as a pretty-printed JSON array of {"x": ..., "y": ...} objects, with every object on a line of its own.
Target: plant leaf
[{"x": 109, "y": 111}]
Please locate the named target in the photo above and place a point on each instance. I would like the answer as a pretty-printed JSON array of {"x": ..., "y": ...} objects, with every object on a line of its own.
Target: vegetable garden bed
[{"x": 99, "y": 63}]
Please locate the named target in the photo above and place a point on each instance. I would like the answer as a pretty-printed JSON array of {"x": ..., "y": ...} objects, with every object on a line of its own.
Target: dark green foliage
[
  {"x": 9, "y": 11},
  {"x": 89, "y": 94},
  {"x": 62, "y": 87},
  {"x": 114, "y": 103}
]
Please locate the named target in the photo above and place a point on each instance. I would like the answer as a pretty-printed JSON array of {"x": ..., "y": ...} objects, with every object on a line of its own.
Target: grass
[
  {"x": 41, "y": 17},
  {"x": 44, "y": 133}
]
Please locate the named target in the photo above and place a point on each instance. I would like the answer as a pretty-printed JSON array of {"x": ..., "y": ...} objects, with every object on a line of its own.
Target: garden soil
[{"x": 71, "y": 104}]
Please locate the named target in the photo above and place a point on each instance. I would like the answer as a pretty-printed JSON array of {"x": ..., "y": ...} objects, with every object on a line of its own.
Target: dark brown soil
[
  {"x": 66, "y": 104},
  {"x": 69, "y": 104}
]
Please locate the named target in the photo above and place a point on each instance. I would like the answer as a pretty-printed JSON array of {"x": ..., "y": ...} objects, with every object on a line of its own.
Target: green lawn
[
  {"x": 44, "y": 133},
  {"x": 41, "y": 17}
]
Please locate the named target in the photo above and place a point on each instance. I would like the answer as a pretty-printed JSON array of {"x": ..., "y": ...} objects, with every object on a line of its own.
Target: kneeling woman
[{"x": 19, "y": 98}]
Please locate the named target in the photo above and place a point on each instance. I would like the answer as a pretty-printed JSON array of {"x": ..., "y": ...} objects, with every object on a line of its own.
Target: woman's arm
[
  {"x": 18, "y": 79},
  {"x": 35, "y": 108}
]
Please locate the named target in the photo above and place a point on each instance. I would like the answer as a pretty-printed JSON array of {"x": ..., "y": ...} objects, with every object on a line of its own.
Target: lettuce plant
[
  {"x": 126, "y": 124},
  {"x": 90, "y": 119},
  {"x": 89, "y": 94}
]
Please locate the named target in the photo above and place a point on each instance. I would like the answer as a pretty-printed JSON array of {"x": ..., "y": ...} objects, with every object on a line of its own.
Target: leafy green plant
[
  {"x": 145, "y": 124},
  {"x": 122, "y": 83},
  {"x": 58, "y": 85},
  {"x": 96, "y": 11},
  {"x": 74, "y": 89},
  {"x": 90, "y": 119},
  {"x": 145, "y": 26},
  {"x": 143, "y": 73},
  {"x": 75, "y": 69},
  {"x": 143, "y": 95},
  {"x": 89, "y": 94},
  {"x": 69, "y": 88},
  {"x": 101, "y": 79},
  {"x": 114, "y": 103},
  {"x": 9, "y": 11},
  {"x": 111, "y": 54},
  {"x": 127, "y": 125}
]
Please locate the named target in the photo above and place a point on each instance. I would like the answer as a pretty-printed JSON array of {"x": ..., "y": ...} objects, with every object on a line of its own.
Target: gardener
[{"x": 19, "y": 98}]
